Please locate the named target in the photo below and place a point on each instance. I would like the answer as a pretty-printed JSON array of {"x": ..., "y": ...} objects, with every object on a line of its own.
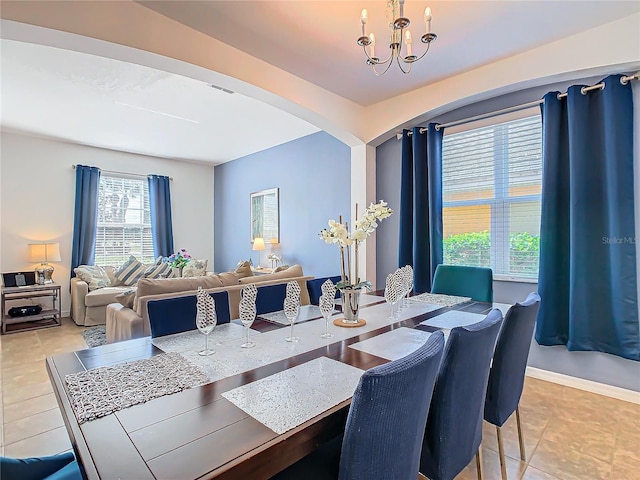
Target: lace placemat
[
  {"x": 439, "y": 299},
  {"x": 289, "y": 398},
  {"x": 102, "y": 391},
  {"x": 306, "y": 312}
]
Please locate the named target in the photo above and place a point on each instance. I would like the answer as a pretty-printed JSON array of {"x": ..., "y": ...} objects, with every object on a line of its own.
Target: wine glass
[
  {"x": 248, "y": 311},
  {"x": 391, "y": 294},
  {"x": 326, "y": 309},
  {"x": 291, "y": 309},
  {"x": 206, "y": 323}
]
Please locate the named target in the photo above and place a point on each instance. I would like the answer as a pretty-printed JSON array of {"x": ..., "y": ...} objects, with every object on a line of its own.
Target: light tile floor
[{"x": 569, "y": 434}]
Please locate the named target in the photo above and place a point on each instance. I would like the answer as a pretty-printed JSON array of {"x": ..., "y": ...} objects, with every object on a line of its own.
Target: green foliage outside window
[{"x": 474, "y": 249}]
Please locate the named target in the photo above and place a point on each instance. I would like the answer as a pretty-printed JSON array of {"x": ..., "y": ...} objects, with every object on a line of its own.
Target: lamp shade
[
  {"x": 44, "y": 252},
  {"x": 258, "y": 244}
]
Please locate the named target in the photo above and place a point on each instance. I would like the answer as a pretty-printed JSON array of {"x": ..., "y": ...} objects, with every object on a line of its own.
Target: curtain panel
[
  {"x": 587, "y": 277},
  {"x": 161, "y": 223},
  {"x": 420, "y": 242},
  {"x": 85, "y": 217}
]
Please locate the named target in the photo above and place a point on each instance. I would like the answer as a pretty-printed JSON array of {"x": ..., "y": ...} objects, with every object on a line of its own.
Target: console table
[{"x": 48, "y": 317}]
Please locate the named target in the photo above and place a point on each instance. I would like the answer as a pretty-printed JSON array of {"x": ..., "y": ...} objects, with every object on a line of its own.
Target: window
[
  {"x": 492, "y": 185},
  {"x": 124, "y": 221}
]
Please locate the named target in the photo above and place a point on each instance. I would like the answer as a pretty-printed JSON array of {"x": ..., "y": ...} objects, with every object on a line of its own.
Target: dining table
[{"x": 153, "y": 408}]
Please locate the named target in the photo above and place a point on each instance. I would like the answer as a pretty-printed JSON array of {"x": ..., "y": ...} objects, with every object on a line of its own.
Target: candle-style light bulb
[
  {"x": 372, "y": 51},
  {"x": 427, "y": 19},
  {"x": 363, "y": 20},
  {"x": 407, "y": 42}
]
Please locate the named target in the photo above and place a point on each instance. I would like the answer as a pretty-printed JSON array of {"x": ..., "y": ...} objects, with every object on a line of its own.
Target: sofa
[
  {"x": 129, "y": 318},
  {"x": 89, "y": 307}
]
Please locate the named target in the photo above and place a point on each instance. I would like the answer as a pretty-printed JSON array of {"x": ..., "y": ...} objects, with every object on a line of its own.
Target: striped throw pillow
[
  {"x": 130, "y": 272},
  {"x": 158, "y": 270}
]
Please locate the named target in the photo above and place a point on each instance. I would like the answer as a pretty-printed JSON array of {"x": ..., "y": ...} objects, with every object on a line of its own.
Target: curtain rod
[
  {"x": 584, "y": 90},
  {"x": 124, "y": 173}
]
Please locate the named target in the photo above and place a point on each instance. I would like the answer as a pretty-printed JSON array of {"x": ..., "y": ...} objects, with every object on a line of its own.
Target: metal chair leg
[
  {"x": 523, "y": 455},
  {"x": 479, "y": 462},
  {"x": 503, "y": 466}
]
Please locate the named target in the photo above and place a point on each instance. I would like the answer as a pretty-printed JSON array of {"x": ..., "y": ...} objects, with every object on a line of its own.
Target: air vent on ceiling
[{"x": 222, "y": 89}]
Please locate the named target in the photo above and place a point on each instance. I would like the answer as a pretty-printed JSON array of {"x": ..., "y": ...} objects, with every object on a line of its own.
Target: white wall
[{"x": 37, "y": 192}]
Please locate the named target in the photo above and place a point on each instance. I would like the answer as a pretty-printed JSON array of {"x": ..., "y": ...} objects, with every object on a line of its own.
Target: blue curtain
[
  {"x": 85, "y": 216},
  {"x": 420, "y": 243},
  {"x": 161, "y": 225},
  {"x": 587, "y": 277}
]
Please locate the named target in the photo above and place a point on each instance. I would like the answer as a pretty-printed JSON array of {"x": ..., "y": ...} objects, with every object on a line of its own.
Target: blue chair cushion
[
  {"x": 474, "y": 282},
  {"x": 315, "y": 288},
  {"x": 178, "y": 314},
  {"x": 506, "y": 378},
  {"x": 271, "y": 298},
  {"x": 39, "y": 468}
]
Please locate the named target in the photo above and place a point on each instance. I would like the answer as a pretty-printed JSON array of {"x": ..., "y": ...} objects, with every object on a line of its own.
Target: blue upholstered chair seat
[
  {"x": 474, "y": 282},
  {"x": 56, "y": 467},
  {"x": 454, "y": 427},
  {"x": 178, "y": 314},
  {"x": 385, "y": 425},
  {"x": 506, "y": 378}
]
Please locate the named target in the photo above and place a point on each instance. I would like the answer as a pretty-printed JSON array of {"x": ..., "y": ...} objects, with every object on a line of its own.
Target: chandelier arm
[
  {"x": 421, "y": 56},
  {"x": 400, "y": 65},
  {"x": 373, "y": 67},
  {"x": 371, "y": 61}
]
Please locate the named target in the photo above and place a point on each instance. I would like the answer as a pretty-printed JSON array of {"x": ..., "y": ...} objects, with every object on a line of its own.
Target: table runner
[
  {"x": 439, "y": 299},
  {"x": 289, "y": 398},
  {"x": 306, "y": 312},
  {"x": 104, "y": 390}
]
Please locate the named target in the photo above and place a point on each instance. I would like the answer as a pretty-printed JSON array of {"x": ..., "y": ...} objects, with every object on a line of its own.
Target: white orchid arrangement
[{"x": 338, "y": 234}]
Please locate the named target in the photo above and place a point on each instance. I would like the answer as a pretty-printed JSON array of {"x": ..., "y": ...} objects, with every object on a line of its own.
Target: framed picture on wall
[{"x": 265, "y": 215}]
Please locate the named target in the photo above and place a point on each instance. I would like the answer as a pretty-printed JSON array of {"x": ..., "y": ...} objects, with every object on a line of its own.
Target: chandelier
[{"x": 399, "y": 35}]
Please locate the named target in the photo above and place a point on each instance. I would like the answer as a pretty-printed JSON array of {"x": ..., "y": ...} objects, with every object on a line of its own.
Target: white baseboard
[{"x": 587, "y": 385}]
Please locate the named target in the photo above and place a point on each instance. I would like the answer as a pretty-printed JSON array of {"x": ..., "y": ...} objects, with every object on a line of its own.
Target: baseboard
[{"x": 587, "y": 385}]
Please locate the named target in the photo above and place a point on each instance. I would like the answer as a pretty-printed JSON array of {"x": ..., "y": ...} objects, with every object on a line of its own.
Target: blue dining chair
[
  {"x": 55, "y": 467},
  {"x": 454, "y": 426},
  {"x": 178, "y": 314},
  {"x": 506, "y": 378},
  {"x": 315, "y": 288},
  {"x": 474, "y": 282},
  {"x": 385, "y": 425},
  {"x": 270, "y": 298}
]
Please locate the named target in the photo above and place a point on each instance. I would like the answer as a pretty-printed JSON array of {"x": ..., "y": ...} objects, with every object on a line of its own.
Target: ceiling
[
  {"x": 106, "y": 103},
  {"x": 316, "y": 40}
]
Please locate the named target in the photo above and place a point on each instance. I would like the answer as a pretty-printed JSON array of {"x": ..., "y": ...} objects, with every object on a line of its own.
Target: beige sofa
[
  {"x": 89, "y": 307},
  {"x": 125, "y": 322}
]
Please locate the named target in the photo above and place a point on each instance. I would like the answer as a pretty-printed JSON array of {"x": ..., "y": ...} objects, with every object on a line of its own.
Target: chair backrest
[
  {"x": 62, "y": 466},
  {"x": 178, "y": 314},
  {"x": 315, "y": 288},
  {"x": 474, "y": 282},
  {"x": 454, "y": 425},
  {"x": 506, "y": 378},
  {"x": 271, "y": 298},
  {"x": 388, "y": 413}
]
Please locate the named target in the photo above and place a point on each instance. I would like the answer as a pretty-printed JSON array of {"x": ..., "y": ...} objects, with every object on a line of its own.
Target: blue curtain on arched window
[
  {"x": 587, "y": 278},
  {"x": 85, "y": 216},
  {"x": 161, "y": 224},
  {"x": 420, "y": 243}
]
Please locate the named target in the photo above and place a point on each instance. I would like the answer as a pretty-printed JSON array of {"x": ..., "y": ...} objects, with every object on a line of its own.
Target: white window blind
[
  {"x": 124, "y": 221},
  {"x": 492, "y": 184}
]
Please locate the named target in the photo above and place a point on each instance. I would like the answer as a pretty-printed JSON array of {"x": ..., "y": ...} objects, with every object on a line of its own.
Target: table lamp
[
  {"x": 258, "y": 244},
  {"x": 44, "y": 253}
]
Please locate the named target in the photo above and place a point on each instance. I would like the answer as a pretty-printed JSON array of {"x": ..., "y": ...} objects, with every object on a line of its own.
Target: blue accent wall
[{"x": 313, "y": 174}]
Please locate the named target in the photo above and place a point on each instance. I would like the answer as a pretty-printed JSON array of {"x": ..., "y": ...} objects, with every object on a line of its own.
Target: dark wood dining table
[{"x": 197, "y": 433}]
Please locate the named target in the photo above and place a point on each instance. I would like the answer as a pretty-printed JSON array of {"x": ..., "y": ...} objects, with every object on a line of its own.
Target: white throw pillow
[
  {"x": 195, "y": 268},
  {"x": 95, "y": 276}
]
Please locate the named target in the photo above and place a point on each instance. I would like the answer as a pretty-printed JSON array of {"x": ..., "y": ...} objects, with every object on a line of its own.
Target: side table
[{"x": 48, "y": 317}]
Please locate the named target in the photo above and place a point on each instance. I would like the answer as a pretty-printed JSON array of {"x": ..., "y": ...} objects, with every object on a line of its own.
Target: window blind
[
  {"x": 124, "y": 221},
  {"x": 492, "y": 184}
]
